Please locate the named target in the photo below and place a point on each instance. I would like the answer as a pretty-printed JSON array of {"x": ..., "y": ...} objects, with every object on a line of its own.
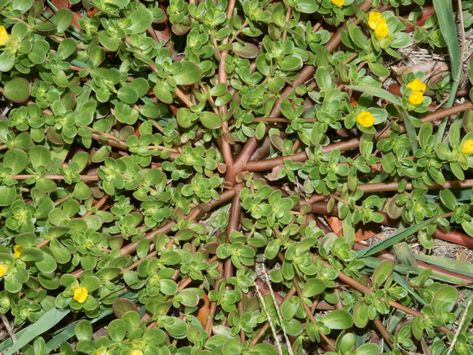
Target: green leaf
[
  {"x": 47, "y": 264},
  {"x": 444, "y": 299},
  {"x": 382, "y": 272},
  {"x": 168, "y": 287},
  {"x": 16, "y": 160},
  {"x": 360, "y": 315},
  {"x": 378, "y": 92},
  {"x": 291, "y": 63},
  {"x": 83, "y": 330},
  {"x": 396, "y": 238},
  {"x": 141, "y": 19},
  {"x": 63, "y": 20},
  {"x": 117, "y": 329},
  {"x": 272, "y": 249},
  {"x": 163, "y": 93},
  {"x": 67, "y": 332},
  {"x": 17, "y": 90},
  {"x": 323, "y": 78},
  {"x": 245, "y": 49},
  {"x": 22, "y": 5},
  {"x": 449, "y": 264},
  {"x": 186, "y": 73},
  {"x": 313, "y": 287},
  {"x": 448, "y": 28},
  {"x": 468, "y": 227},
  {"x": 448, "y": 199},
  {"x": 338, "y": 319},
  {"x": 7, "y": 195},
  {"x": 210, "y": 120},
  {"x": 7, "y": 61},
  {"x": 40, "y": 157},
  {"x": 128, "y": 94},
  {"x": 367, "y": 349},
  {"x": 176, "y": 327},
  {"x": 66, "y": 48},
  {"x": 306, "y": 6},
  {"x": 185, "y": 117},
  {"x": 48, "y": 320}
]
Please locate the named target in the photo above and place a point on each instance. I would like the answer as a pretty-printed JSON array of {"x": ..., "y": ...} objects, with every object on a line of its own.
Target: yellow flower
[
  {"x": 4, "y": 36},
  {"x": 382, "y": 30},
  {"x": 136, "y": 352},
  {"x": 374, "y": 19},
  {"x": 100, "y": 351},
  {"x": 467, "y": 146},
  {"x": 80, "y": 294},
  {"x": 17, "y": 250},
  {"x": 365, "y": 119},
  {"x": 3, "y": 270},
  {"x": 417, "y": 85},
  {"x": 416, "y": 98},
  {"x": 338, "y": 3}
]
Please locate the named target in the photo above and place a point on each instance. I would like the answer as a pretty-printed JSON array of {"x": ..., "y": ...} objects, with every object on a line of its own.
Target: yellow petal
[
  {"x": 3, "y": 270},
  {"x": 417, "y": 85},
  {"x": 365, "y": 119},
  {"x": 338, "y": 3},
  {"x": 382, "y": 30},
  {"x": 467, "y": 146},
  {"x": 80, "y": 294},
  {"x": 416, "y": 98}
]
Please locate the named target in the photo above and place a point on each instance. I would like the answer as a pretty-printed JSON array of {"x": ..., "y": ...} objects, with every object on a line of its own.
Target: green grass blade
[
  {"x": 398, "y": 237},
  {"x": 68, "y": 332},
  {"x": 405, "y": 285},
  {"x": 468, "y": 315},
  {"x": 42, "y": 325},
  {"x": 372, "y": 262},
  {"x": 448, "y": 29},
  {"x": 396, "y": 100},
  {"x": 378, "y": 92},
  {"x": 462, "y": 268}
]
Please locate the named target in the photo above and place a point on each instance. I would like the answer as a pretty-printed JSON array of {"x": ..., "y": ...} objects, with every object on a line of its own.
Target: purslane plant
[{"x": 168, "y": 170}]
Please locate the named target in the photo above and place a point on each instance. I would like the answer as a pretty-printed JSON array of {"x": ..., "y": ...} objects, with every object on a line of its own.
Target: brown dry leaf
[
  {"x": 336, "y": 225},
  {"x": 61, "y": 4},
  {"x": 364, "y": 234},
  {"x": 204, "y": 311}
]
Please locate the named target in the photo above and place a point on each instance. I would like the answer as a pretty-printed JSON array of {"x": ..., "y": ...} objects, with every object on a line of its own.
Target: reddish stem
[{"x": 268, "y": 164}]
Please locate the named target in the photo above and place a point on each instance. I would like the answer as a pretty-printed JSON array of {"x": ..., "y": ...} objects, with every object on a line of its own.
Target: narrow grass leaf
[
  {"x": 372, "y": 262},
  {"x": 448, "y": 29},
  {"x": 68, "y": 332},
  {"x": 462, "y": 268},
  {"x": 378, "y": 92},
  {"x": 405, "y": 285},
  {"x": 42, "y": 325},
  {"x": 398, "y": 237}
]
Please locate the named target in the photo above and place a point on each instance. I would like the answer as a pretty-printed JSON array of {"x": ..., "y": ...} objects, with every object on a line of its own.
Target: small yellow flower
[
  {"x": 416, "y": 98},
  {"x": 417, "y": 85},
  {"x": 382, "y": 30},
  {"x": 136, "y": 352},
  {"x": 80, "y": 294},
  {"x": 365, "y": 119},
  {"x": 3, "y": 270},
  {"x": 374, "y": 19},
  {"x": 17, "y": 250},
  {"x": 338, "y": 3},
  {"x": 467, "y": 146},
  {"x": 4, "y": 36}
]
